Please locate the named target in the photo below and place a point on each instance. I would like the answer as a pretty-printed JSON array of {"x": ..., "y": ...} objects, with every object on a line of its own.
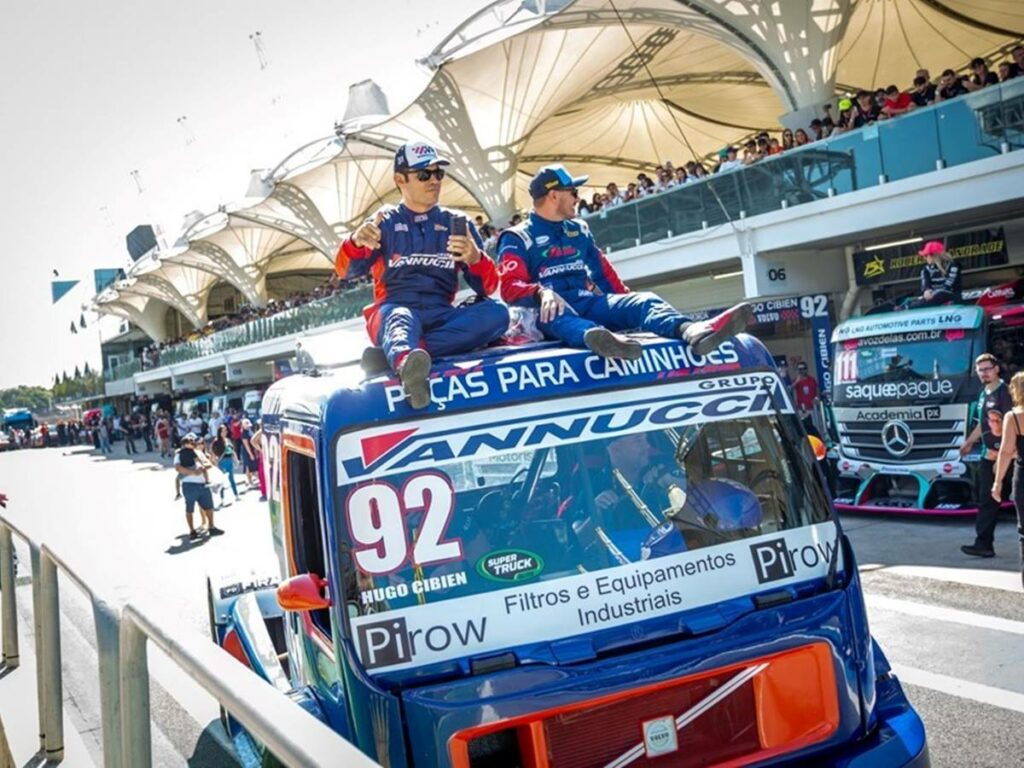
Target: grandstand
[{"x": 614, "y": 89}]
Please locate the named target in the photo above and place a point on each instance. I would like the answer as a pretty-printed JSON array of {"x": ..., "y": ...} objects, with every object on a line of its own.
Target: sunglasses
[
  {"x": 424, "y": 175},
  {"x": 985, "y": 368},
  {"x": 571, "y": 190}
]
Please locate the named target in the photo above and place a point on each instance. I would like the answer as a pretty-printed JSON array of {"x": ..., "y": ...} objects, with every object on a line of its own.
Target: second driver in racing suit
[
  {"x": 551, "y": 262},
  {"x": 415, "y": 256}
]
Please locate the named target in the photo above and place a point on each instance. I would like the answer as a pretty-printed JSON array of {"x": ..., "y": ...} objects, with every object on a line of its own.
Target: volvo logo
[{"x": 897, "y": 438}]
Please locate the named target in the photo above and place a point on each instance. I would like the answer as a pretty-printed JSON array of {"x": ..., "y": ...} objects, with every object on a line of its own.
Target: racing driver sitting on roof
[
  {"x": 415, "y": 256},
  {"x": 551, "y": 261}
]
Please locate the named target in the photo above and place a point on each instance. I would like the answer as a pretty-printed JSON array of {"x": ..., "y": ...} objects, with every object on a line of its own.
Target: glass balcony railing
[
  {"x": 972, "y": 127},
  {"x": 315, "y": 314},
  {"x": 122, "y": 370}
]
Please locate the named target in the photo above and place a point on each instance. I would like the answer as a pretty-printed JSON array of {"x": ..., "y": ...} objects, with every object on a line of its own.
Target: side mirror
[
  {"x": 817, "y": 447},
  {"x": 304, "y": 592}
]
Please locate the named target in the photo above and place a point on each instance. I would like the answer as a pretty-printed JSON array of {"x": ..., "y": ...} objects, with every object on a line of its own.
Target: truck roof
[
  {"x": 345, "y": 396},
  {"x": 927, "y": 319}
]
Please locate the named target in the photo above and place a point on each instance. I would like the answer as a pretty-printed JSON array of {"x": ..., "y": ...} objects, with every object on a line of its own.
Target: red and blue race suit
[
  {"x": 415, "y": 280},
  {"x": 562, "y": 256}
]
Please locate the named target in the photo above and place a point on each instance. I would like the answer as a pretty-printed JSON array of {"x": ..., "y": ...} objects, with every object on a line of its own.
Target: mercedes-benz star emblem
[{"x": 897, "y": 438}]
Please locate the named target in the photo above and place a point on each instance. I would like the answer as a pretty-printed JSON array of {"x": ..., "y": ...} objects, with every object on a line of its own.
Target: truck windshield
[
  {"x": 904, "y": 367},
  {"x": 544, "y": 521}
]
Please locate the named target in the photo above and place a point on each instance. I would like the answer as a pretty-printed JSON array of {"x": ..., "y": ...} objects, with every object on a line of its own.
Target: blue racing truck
[
  {"x": 564, "y": 561},
  {"x": 18, "y": 418}
]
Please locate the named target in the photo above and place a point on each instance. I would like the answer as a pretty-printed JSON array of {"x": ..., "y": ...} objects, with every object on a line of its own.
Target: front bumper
[{"x": 897, "y": 740}]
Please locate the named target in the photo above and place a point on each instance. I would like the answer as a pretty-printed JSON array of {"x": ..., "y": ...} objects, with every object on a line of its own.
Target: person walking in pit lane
[
  {"x": 1011, "y": 452},
  {"x": 415, "y": 252},
  {"x": 192, "y": 467},
  {"x": 551, "y": 262}
]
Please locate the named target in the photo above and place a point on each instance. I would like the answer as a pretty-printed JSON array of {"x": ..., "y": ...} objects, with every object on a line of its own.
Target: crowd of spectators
[
  {"x": 205, "y": 450},
  {"x": 846, "y": 114},
  {"x": 150, "y": 356},
  {"x": 142, "y": 429}
]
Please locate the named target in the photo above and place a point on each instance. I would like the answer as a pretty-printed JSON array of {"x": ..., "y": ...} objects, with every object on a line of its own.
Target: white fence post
[
  {"x": 52, "y": 692},
  {"x": 108, "y": 648},
  {"x": 135, "y": 736},
  {"x": 37, "y": 628},
  {"x": 8, "y": 599}
]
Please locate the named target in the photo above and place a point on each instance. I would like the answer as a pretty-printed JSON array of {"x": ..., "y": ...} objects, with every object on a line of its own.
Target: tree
[
  {"x": 78, "y": 373},
  {"x": 34, "y": 398}
]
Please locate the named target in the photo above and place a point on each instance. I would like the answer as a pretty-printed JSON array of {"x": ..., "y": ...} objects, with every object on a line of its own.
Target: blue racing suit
[
  {"x": 415, "y": 280},
  {"x": 562, "y": 256}
]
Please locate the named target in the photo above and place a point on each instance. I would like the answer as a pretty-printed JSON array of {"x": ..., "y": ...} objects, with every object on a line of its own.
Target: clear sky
[{"x": 93, "y": 90}]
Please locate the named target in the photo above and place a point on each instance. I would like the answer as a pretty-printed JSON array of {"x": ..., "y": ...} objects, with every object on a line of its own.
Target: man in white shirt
[
  {"x": 215, "y": 421},
  {"x": 731, "y": 161},
  {"x": 614, "y": 197}
]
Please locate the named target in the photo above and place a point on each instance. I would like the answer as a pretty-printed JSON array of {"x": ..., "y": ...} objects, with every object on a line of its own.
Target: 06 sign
[{"x": 378, "y": 520}]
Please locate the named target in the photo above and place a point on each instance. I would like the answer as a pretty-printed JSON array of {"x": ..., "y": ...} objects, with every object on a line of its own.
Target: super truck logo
[{"x": 414, "y": 448}]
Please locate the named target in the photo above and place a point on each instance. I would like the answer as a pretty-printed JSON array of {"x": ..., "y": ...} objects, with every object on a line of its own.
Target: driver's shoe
[
  {"x": 414, "y": 373},
  {"x": 604, "y": 343},
  {"x": 705, "y": 335}
]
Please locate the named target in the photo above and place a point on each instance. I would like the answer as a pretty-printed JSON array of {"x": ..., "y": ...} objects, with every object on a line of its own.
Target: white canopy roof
[{"x": 606, "y": 88}]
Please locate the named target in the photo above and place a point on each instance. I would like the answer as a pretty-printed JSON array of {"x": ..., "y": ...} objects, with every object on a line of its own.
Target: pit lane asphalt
[{"x": 114, "y": 520}]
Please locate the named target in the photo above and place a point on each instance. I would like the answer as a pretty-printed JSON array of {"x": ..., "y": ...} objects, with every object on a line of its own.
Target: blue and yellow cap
[{"x": 554, "y": 177}]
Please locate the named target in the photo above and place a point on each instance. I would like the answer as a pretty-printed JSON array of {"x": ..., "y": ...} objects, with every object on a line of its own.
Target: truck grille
[
  {"x": 936, "y": 433},
  {"x": 730, "y": 716},
  {"x": 933, "y": 440},
  {"x": 730, "y": 734}
]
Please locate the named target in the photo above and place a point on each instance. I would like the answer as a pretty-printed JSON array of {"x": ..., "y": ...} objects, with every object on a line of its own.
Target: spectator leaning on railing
[
  {"x": 847, "y": 114},
  {"x": 981, "y": 76},
  {"x": 950, "y": 86}
]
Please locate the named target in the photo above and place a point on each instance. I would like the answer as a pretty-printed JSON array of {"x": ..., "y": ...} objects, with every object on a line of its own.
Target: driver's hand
[
  {"x": 368, "y": 235},
  {"x": 605, "y": 500},
  {"x": 551, "y": 305},
  {"x": 928, "y": 293},
  {"x": 464, "y": 248}
]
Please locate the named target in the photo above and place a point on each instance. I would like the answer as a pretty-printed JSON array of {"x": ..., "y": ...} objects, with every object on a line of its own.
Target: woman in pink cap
[{"x": 940, "y": 277}]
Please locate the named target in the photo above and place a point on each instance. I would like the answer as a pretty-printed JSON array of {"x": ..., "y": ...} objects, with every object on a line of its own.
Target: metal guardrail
[{"x": 294, "y": 736}]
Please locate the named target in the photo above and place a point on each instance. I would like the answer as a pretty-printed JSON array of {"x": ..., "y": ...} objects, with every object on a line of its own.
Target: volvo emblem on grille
[{"x": 897, "y": 438}]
